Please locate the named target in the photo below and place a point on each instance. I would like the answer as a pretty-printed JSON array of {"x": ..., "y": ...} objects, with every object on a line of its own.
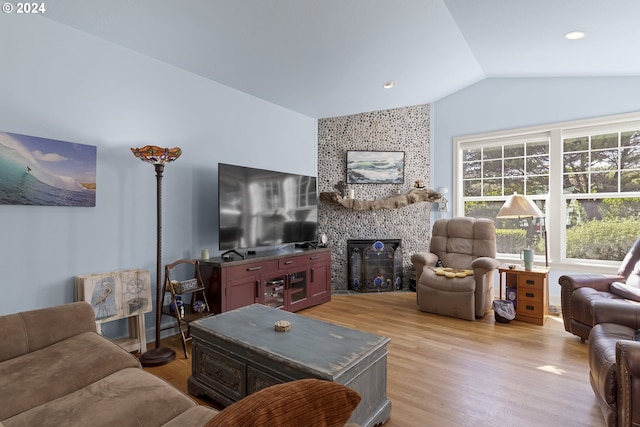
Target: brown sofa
[
  {"x": 614, "y": 362},
  {"x": 55, "y": 370},
  {"x": 579, "y": 291}
]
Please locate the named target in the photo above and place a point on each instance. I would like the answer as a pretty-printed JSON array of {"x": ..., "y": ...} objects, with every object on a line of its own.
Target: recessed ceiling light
[
  {"x": 389, "y": 84},
  {"x": 575, "y": 35}
]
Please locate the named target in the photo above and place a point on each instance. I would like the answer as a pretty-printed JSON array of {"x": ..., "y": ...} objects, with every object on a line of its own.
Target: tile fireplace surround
[{"x": 403, "y": 129}]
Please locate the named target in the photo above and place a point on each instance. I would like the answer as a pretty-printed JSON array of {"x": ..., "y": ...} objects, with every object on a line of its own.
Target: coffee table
[{"x": 238, "y": 352}]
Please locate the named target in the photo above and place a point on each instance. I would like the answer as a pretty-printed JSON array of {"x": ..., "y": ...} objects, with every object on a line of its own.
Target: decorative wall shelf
[{"x": 396, "y": 201}]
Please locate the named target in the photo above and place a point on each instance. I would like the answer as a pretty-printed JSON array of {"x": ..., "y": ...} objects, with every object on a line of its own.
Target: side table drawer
[
  {"x": 530, "y": 295},
  {"x": 526, "y": 281},
  {"x": 220, "y": 372},
  {"x": 530, "y": 308}
]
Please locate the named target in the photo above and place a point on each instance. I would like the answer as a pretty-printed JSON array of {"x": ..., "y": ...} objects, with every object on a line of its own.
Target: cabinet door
[
  {"x": 297, "y": 290},
  {"x": 242, "y": 292},
  {"x": 272, "y": 291},
  {"x": 319, "y": 278}
]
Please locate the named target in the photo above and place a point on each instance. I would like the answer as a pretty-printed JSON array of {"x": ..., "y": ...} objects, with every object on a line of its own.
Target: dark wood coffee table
[{"x": 239, "y": 352}]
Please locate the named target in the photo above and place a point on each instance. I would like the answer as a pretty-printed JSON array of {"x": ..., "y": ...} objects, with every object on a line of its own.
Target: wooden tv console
[{"x": 290, "y": 279}]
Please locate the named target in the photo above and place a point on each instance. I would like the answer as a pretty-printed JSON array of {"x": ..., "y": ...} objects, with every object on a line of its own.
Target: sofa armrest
[
  {"x": 484, "y": 265},
  {"x": 614, "y": 311},
  {"x": 421, "y": 260},
  {"x": 628, "y": 373},
  {"x": 28, "y": 331}
]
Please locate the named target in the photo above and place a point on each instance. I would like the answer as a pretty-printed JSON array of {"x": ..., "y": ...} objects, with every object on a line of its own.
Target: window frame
[{"x": 555, "y": 199}]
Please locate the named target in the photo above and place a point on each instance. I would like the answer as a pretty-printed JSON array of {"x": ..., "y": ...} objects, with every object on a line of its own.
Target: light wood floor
[{"x": 448, "y": 372}]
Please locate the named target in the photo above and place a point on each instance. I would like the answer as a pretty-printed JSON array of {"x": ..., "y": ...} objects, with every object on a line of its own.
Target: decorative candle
[
  {"x": 352, "y": 193},
  {"x": 204, "y": 254}
]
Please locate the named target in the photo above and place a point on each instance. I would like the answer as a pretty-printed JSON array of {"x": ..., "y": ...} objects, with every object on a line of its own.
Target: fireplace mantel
[{"x": 396, "y": 201}]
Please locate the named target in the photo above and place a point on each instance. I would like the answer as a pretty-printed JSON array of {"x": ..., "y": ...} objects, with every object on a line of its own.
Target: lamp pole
[{"x": 158, "y": 156}]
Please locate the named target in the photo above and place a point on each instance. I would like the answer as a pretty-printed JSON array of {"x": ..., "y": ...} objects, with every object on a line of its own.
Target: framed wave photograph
[
  {"x": 46, "y": 172},
  {"x": 375, "y": 167}
]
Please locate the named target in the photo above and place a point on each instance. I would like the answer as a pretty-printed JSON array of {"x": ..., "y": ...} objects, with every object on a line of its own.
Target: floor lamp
[
  {"x": 519, "y": 206},
  {"x": 158, "y": 157}
]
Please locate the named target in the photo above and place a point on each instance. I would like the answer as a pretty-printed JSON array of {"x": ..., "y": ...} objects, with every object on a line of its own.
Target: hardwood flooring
[{"x": 448, "y": 372}]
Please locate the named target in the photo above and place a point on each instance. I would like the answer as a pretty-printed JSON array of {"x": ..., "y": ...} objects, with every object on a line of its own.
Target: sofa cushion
[
  {"x": 308, "y": 402},
  {"x": 41, "y": 376},
  {"x": 32, "y": 330},
  {"x": 625, "y": 291},
  {"x": 581, "y": 300},
  {"x": 129, "y": 397}
]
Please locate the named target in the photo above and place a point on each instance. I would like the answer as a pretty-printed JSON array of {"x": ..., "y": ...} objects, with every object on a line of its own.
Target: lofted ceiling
[{"x": 327, "y": 58}]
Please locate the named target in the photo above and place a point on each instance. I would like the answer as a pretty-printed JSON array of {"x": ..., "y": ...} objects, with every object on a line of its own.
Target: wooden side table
[{"x": 531, "y": 288}]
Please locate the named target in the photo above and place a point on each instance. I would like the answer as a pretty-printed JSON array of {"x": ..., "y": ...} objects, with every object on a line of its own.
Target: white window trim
[{"x": 555, "y": 206}]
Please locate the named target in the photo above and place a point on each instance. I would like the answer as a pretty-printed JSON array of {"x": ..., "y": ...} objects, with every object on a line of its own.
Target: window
[
  {"x": 499, "y": 168},
  {"x": 601, "y": 173},
  {"x": 586, "y": 173}
]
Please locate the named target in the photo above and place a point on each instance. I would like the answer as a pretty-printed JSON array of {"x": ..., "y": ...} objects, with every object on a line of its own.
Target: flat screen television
[{"x": 258, "y": 207}]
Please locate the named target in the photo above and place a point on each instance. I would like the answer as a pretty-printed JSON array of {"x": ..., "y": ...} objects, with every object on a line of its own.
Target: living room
[{"x": 68, "y": 84}]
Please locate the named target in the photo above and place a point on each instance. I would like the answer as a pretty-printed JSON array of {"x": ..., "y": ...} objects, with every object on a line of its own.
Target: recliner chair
[
  {"x": 461, "y": 244},
  {"x": 579, "y": 291}
]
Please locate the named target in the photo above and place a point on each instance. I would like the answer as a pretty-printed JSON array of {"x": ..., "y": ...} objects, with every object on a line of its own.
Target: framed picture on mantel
[{"x": 375, "y": 167}]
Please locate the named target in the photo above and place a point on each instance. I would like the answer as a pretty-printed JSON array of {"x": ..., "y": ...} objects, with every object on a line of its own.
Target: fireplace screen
[{"x": 375, "y": 265}]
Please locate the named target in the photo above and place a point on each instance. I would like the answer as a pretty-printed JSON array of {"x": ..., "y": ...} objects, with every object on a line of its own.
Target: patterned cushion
[{"x": 308, "y": 403}]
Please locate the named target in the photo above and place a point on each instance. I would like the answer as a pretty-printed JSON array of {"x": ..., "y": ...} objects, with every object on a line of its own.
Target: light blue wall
[
  {"x": 59, "y": 83},
  {"x": 500, "y": 104}
]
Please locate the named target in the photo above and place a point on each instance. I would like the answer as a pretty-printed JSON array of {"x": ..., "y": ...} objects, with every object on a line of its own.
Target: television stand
[
  {"x": 225, "y": 256},
  {"x": 290, "y": 279}
]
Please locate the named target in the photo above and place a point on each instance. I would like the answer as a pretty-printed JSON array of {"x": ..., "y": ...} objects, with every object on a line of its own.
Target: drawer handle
[
  {"x": 288, "y": 262},
  {"x": 254, "y": 268},
  {"x": 531, "y": 282},
  {"x": 529, "y": 307},
  {"x": 314, "y": 257},
  {"x": 529, "y": 294}
]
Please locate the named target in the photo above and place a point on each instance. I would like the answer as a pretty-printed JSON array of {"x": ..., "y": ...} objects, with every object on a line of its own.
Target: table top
[
  {"x": 520, "y": 268},
  {"x": 315, "y": 344}
]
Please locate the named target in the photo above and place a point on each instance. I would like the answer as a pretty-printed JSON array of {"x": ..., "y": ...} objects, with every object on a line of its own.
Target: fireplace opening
[{"x": 375, "y": 265}]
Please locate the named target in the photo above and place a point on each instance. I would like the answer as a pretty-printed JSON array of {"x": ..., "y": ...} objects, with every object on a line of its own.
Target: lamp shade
[
  {"x": 519, "y": 206},
  {"x": 157, "y": 155}
]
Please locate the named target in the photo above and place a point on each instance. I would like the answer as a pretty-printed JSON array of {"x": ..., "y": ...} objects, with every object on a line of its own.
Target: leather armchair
[
  {"x": 460, "y": 243},
  {"x": 614, "y": 361},
  {"x": 578, "y": 291}
]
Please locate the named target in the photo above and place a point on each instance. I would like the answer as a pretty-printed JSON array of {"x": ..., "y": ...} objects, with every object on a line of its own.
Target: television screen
[{"x": 259, "y": 207}]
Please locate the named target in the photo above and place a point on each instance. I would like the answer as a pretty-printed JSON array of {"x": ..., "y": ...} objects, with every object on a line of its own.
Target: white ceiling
[{"x": 327, "y": 58}]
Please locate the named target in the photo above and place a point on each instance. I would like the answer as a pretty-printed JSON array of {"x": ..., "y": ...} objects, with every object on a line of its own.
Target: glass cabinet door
[
  {"x": 273, "y": 295},
  {"x": 297, "y": 287}
]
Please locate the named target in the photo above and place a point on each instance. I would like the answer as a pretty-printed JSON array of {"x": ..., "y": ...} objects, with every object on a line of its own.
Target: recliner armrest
[
  {"x": 421, "y": 260},
  {"x": 628, "y": 373},
  {"x": 485, "y": 264},
  {"x": 599, "y": 282},
  {"x": 613, "y": 311}
]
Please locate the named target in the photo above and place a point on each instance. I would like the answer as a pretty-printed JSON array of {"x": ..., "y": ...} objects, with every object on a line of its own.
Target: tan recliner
[{"x": 461, "y": 244}]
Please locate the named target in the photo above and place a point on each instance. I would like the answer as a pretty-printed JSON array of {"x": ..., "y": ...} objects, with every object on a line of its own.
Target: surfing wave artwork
[{"x": 46, "y": 172}]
